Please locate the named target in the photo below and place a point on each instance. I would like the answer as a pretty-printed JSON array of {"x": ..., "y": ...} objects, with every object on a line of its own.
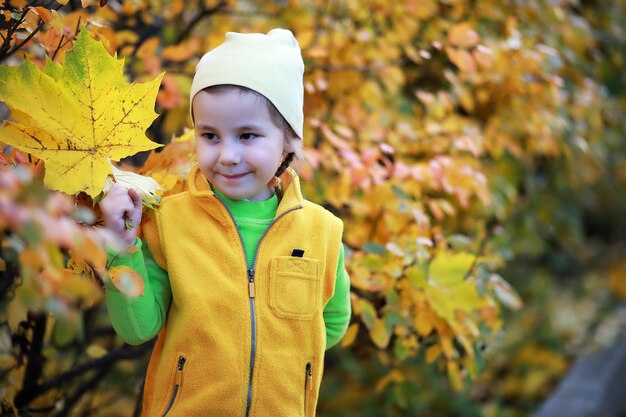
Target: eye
[
  {"x": 247, "y": 136},
  {"x": 211, "y": 137}
]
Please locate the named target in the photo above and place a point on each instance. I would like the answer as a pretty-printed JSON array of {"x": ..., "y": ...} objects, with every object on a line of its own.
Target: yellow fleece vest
[{"x": 239, "y": 342}]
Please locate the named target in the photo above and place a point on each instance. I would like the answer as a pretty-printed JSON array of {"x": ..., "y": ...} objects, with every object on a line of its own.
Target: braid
[{"x": 281, "y": 169}]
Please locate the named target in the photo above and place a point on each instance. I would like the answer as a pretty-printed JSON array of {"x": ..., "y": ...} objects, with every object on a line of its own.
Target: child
[{"x": 244, "y": 280}]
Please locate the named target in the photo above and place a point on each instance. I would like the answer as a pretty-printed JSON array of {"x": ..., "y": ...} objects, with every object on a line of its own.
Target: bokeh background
[{"x": 474, "y": 149}]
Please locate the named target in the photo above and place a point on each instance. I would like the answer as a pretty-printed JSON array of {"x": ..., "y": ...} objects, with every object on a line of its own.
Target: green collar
[{"x": 250, "y": 209}]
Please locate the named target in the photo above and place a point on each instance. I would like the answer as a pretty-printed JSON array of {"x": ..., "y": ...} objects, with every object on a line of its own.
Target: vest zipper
[
  {"x": 251, "y": 291},
  {"x": 308, "y": 384},
  {"x": 179, "y": 380}
]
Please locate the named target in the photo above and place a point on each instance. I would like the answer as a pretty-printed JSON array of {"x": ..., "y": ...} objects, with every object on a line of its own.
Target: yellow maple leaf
[{"x": 78, "y": 116}]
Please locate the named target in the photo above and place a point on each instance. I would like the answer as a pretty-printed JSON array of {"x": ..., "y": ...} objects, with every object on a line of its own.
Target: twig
[
  {"x": 58, "y": 48},
  {"x": 375, "y": 222}
]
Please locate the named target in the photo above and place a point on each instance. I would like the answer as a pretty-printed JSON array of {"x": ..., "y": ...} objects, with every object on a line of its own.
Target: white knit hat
[{"x": 268, "y": 64}]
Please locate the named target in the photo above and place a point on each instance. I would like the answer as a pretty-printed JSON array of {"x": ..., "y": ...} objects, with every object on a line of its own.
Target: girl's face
[{"x": 239, "y": 147}]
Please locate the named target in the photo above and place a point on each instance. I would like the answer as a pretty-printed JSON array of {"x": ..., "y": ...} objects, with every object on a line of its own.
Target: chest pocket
[{"x": 295, "y": 287}]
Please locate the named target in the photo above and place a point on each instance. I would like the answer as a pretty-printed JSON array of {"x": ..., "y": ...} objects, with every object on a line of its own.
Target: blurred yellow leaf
[
  {"x": 447, "y": 268},
  {"x": 350, "y": 335},
  {"x": 423, "y": 323},
  {"x": 78, "y": 287},
  {"x": 95, "y": 351},
  {"x": 454, "y": 375},
  {"x": 394, "y": 376},
  {"x": 379, "y": 334},
  {"x": 416, "y": 277},
  {"x": 432, "y": 353},
  {"x": 617, "y": 280}
]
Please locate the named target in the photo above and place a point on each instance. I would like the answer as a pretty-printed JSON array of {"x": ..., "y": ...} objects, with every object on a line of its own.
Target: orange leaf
[
  {"x": 127, "y": 280},
  {"x": 51, "y": 18},
  {"x": 462, "y": 59},
  {"x": 169, "y": 96},
  {"x": 148, "y": 48},
  {"x": 463, "y": 35},
  {"x": 89, "y": 251},
  {"x": 423, "y": 9},
  {"x": 333, "y": 138},
  {"x": 182, "y": 51},
  {"x": 483, "y": 56}
]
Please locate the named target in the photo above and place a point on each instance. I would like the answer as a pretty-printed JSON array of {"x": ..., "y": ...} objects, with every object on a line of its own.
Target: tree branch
[
  {"x": 124, "y": 352},
  {"x": 204, "y": 12},
  {"x": 34, "y": 365},
  {"x": 29, "y": 37},
  {"x": 89, "y": 385}
]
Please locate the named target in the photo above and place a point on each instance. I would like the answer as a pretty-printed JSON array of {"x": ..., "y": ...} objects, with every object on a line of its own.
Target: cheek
[{"x": 203, "y": 153}]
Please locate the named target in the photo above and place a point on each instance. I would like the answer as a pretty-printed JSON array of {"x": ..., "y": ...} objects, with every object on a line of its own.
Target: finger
[{"x": 135, "y": 197}]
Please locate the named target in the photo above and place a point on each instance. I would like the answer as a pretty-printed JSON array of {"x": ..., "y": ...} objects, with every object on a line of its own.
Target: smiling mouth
[{"x": 234, "y": 177}]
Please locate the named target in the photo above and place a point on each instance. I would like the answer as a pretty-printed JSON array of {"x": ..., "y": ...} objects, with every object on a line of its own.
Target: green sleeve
[
  {"x": 338, "y": 310},
  {"x": 139, "y": 319}
]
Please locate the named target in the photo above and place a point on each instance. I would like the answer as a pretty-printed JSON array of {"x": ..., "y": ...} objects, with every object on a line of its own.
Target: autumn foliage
[{"x": 453, "y": 139}]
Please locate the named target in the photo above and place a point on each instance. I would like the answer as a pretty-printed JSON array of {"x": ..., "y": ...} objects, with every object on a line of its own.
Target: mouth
[{"x": 234, "y": 176}]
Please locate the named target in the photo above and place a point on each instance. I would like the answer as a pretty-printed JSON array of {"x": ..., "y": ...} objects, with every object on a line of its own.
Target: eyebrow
[{"x": 242, "y": 127}]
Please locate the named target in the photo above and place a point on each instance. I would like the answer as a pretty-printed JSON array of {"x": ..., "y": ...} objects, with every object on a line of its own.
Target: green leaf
[
  {"x": 400, "y": 193},
  {"x": 375, "y": 248}
]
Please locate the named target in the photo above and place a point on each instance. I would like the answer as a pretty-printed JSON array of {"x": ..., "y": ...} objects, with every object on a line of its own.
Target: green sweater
[{"x": 139, "y": 319}]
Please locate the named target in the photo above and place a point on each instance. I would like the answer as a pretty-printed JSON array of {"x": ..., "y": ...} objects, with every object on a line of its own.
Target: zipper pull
[
  {"x": 179, "y": 372},
  {"x": 251, "y": 282},
  {"x": 309, "y": 377}
]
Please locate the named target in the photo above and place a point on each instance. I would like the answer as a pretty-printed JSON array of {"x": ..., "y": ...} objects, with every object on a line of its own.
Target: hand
[{"x": 118, "y": 206}]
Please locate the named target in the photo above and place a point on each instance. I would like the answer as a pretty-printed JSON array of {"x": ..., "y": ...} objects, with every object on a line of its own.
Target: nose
[{"x": 230, "y": 153}]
